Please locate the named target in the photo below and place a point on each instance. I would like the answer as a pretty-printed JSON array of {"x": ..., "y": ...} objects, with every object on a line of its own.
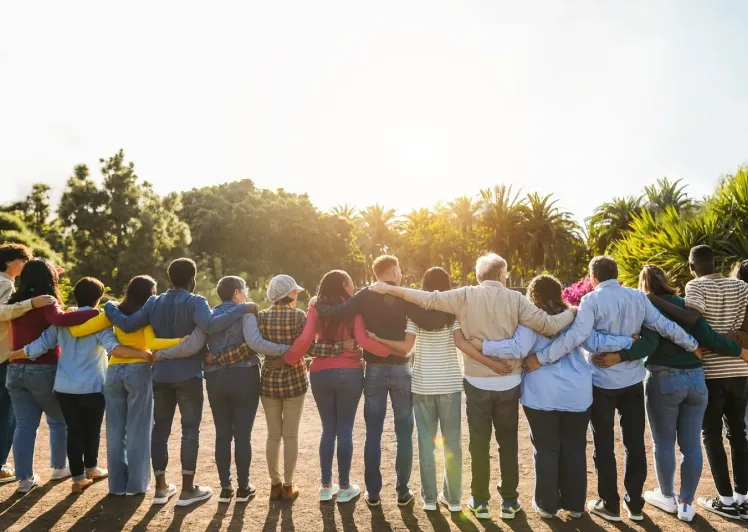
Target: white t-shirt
[{"x": 437, "y": 363}]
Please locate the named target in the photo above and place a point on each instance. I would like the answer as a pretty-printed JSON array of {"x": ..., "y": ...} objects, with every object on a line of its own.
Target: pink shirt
[{"x": 352, "y": 359}]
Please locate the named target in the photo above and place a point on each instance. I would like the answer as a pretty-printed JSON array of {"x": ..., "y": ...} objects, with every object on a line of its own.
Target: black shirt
[{"x": 386, "y": 316}]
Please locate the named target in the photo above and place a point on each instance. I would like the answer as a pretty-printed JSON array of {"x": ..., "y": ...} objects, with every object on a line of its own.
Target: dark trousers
[
  {"x": 7, "y": 419},
  {"x": 727, "y": 400},
  {"x": 488, "y": 411},
  {"x": 559, "y": 442},
  {"x": 83, "y": 415},
  {"x": 166, "y": 396},
  {"x": 629, "y": 402},
  {"x": 234, "y": 394}
]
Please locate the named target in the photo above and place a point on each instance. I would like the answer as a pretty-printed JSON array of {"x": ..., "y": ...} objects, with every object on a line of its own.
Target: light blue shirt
[
  {"x": 613, "y": 309},
  {"x": 566, "y": 384},
  {"x": 83, "y": 361}
]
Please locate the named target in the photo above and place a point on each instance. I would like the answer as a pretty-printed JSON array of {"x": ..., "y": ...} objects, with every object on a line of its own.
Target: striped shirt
[
  {"x": 437, "y": 364},
  {"x": 722, "y": 301}
]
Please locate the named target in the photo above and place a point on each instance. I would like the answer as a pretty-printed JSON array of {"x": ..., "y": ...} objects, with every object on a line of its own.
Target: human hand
[
  {"x": 699, "y": 353},
  {"x": 252, "y": 308},
  {"x": 476, "y": 343},
  {"x": 372, "y": 335},
  {"x": 184, "y": 338},
  {"x": 43, "y": 301},
  {"x": 149, "y": 356},
  {"x": 532, "y": 363},
  {"x": 18, "y": 354},
  {"x": 312, "y": 302},
  {"x": 499, "y": 366},
  {"x": 574, "y": 310},
  {"x": 208, "y": 358},
  {"x": 380, "y": 287},
  {"x": 606, "y": 360},
  {"x": 744, "y": 355},
  {"x": 350, "y": 345}
]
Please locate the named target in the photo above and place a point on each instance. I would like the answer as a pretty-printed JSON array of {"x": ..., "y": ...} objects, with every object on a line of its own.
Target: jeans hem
[
  {"x": 186, "y": 472},
  {"x": 76, "y": 478},
  {"x": 159, "y": 472}
]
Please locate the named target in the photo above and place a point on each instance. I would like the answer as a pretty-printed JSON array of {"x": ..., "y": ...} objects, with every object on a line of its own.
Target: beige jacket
[
  {"x": 490, "y": 311},
  {"x": 7, "y": 313}
]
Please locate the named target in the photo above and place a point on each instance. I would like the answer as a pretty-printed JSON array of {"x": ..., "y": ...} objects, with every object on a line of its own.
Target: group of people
[{"x": 646, "y": 353}]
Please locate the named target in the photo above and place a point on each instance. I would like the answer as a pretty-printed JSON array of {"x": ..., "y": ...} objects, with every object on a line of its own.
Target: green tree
[
  {"x": 664, "y": 194},
  {"x": 464, "y": 210},
  {"x": 610, "y": 220},
  {"x": 502, "y": 216}
]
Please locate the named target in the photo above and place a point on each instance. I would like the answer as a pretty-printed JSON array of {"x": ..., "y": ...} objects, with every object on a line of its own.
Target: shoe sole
[
  {"x": 405, "y": 503},
  {"x": 244, "y": 499},
  {"x": 190, "y": 502},
  {"x": 343, "y": 500},
  {"x": 479, "y": 515},
  {"x": 32, "y": 488},
  {"x": 611, "y": 518},
  {"x": 160, "y": 501},
  {"x": 669, "y": 510},
  {"x": 7, "y": 480},
  {"x": 722, "y": 514},
  {"x": 453, "y": 509},
  {"x": 373, "y": 504},
  {"x": 222, "y": 500},
  {"x": 685, "y": 519}
]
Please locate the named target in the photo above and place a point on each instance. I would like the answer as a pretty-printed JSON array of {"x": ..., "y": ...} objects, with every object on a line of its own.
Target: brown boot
[
  {"x": 290, "y": 493},
  {"x": 276, "y": 492}
]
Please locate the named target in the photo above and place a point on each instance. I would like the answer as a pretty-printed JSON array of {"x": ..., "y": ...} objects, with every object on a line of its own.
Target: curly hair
[{"x": 545, "y": 292}]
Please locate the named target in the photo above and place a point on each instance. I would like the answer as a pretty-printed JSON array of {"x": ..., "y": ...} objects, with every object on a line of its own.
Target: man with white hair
[{"x": 489, "y": 311}]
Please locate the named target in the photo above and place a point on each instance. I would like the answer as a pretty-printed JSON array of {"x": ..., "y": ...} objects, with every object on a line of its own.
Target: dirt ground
[{"x": 52, "y": 507}]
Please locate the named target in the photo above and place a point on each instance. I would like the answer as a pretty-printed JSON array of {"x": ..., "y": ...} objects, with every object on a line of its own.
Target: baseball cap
[{"x": 281, "y": 286}]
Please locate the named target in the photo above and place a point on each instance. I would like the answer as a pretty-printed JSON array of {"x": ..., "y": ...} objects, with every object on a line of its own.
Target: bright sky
[{"x": 399, "y": 102}]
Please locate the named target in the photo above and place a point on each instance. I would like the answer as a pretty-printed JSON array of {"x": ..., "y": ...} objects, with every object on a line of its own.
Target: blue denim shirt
[
  {"x": 174, "y": 314},
  {"x": 83, "y": 361},
  {"x": 228, "y": 338},
  {"x": 564, "y": 385},
  {"x": 613, "y": 309}
]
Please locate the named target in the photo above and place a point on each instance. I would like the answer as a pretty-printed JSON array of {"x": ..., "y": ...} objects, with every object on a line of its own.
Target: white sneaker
[
  {"x": 454, "y": 508},
  {"x": 429, "y": 506},
  {"x": 326, "y": 494},
  {"x": 350, "y": 493},
  {"x": 28, "y": 484},
  {"x": 686, "y": 512},
  {"x": 542, "y": 513},
  {"x": 658, "y": 500},
  {"x": 60, "y": 473}
]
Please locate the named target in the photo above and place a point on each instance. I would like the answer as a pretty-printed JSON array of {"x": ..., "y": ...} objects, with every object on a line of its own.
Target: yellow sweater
[{"x": 142, "y": 339}]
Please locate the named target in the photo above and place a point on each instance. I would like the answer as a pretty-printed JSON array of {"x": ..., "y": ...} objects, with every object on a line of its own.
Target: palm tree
[
  {"x": 549, "y": 233},
  {"x": 464, "y": 210},
  {"x": 667, "y": 194},
  {"x": 609, "y": 221},
  {"x": 345, "y": 211},
  {"x": 502, "y": 215},
  {"x": 377, "y": 231}
]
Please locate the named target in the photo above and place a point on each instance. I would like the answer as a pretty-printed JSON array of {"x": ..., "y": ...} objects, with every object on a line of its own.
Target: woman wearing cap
[
  {"x": 337, "y": 382},
  {"x": 283, "y": 384}
]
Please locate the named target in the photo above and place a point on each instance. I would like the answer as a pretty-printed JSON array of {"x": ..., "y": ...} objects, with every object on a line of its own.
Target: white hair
[{"x": 489, "y": 267}]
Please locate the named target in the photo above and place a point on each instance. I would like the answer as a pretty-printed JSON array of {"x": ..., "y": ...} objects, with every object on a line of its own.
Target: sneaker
[
  {"x": 598, "y": 508},
  {"x": 28, "y": 484},
  {"x": 326, "y": 494},
  {"x": 686, "y": 512},
  {"x": 634, "y": 516},
  {"x": 198, "y": 494},
  {"x": 714, "y": 505},
  {"x": 405, "y": 499},
  {"x": 372, "y": 500},
  {"x": 60, "y": 473},
  {"x": 542, "y": 513},
  {"x": 348, "y": 494},
  {"x": 454, "y": 508},
  {"x": 429, "y": 506},
  {"x": 576, "y": 515},
  {"x": 510, "y": 509},
  {"x": 658, "y": 500},
  {"x": 163, "y": 496},
  {"x": 244, "y": 494},
  {"x": 743, "y": 511},
  {"x": 226, "y": 495},
  {"x": 479, "y": 510},
  {"x": 7, "y": 474},
  {"x": 79, "y": 486},
  {"x": 98, "y": 473}
]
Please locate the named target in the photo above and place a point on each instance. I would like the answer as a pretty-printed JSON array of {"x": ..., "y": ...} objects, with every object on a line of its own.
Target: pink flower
[{"x": 573, "y": 294}]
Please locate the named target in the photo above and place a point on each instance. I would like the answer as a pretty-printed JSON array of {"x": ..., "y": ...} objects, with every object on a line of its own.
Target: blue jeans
[
  {"x": 166, "y": 396},
  {"x": 7, "y": 419},
  {"x": 432, "y": 411},
  {"x": 31, "y": 391},
  {"x": 234, "y": 394},
  {"x": 129, "y": 412},
  {"x": 676, "y": 400},
  {"x": 337, "y": 393},
  {"x": 378, "y": 382}
]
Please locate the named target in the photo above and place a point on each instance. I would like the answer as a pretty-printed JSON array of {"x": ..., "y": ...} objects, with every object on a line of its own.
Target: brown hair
[
  {"x": 12, "y": 251},
  {"x": 740, "y": 271},
  {"x": 545, "y": 292},
  {"x": 88, "y": 291},
  {"x": 654, "y": 280},
  {"x": 383, "y": 263},
  {"x": 604, "y": 268}
]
